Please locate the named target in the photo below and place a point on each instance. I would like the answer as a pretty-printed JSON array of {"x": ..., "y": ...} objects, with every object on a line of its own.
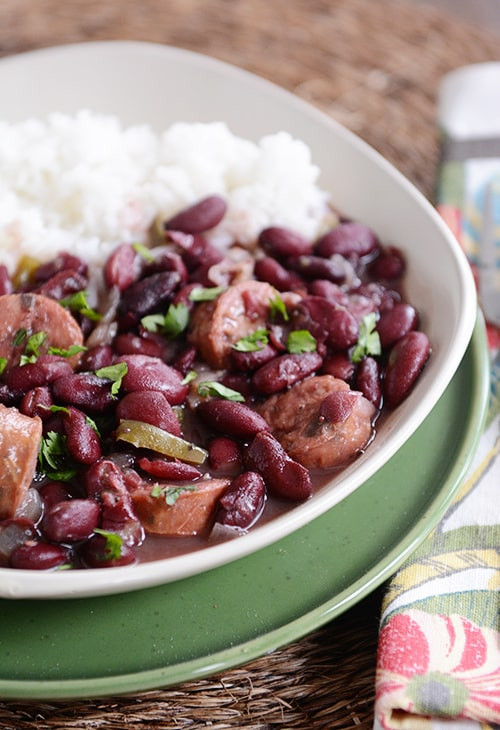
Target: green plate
[{"x": 230, "y": 615}]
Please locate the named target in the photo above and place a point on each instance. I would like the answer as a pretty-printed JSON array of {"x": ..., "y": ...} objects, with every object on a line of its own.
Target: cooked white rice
[{"x": 85, "y": 183}]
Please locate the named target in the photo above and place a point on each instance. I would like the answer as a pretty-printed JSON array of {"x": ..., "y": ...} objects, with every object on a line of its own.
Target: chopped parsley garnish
[
  {"x": 77, "y": 302},
  {"x": 253, "y": 342},
  {"x": 19, "y": 337},
  {"x": 54, "y": 459},
  {"x": 206, "y": 294},
  {"x": 32, "y": 347},
  {"x": 191, "y": 375},
  {"x": 3, "y": 364},
  {"x": 368, "y": 340},
  {"x": 300, "y": 341},
  {"x": 113, "y": 546},
  {"x": 69, "y": 352},
  {"x": 277, "y": 308},
  {"x": 212, "y": 387},
  {"x": 170, "y": 324},
  {"x": 171, "y": 494},
  {"x": 144, "y": 252},
  {"x": 116, "y": 373}
]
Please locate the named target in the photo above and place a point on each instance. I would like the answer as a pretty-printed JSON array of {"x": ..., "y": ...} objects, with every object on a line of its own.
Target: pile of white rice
[{"x": 85, "y": 183}]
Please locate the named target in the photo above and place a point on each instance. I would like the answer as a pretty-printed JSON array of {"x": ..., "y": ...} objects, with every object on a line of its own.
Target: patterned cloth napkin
[{"x": 438, "y": 662}]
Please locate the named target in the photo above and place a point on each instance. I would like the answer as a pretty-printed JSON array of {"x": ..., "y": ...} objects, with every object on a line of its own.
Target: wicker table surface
[{"x": 374, "y": 66}]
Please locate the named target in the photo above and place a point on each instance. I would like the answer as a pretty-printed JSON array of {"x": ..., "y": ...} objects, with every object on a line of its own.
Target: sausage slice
[{"x": 19, "y": 445}]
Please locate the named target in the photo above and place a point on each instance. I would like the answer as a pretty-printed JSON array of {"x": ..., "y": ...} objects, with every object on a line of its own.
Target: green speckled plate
[{"x": 224, "y": 617}]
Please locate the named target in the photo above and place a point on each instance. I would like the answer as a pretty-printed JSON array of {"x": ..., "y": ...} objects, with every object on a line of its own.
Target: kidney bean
[
  {"x": 54, "y": 492},
  {"x": 151, "y": 373},
  {"x": 359, "y": 306},
  {"x": 146, "y": 295},
  {"x": 369, "y": 380},
  {"x": 96, "y": 358},
  {"x": 395, "y": 323},
  {"x": 184, "y": 360},
  {"x": 81, "y": 438},
  {"x": 344, "y": 330},
  {"x": 314, "y": 314},
  {"x": 95, "y": 553},
  {"x": 389, "y": 265},
  {"x": 13, "y": 533},
  {"x": 149, "y": 406},
  {"x": 239, "y": 382},
  {"x": 231, "y": 418},
  {"x": 38, "y": 556},
  {"x": 339, "y": 365},
  {"x": 9, "y": 397},
  {"x": 281, "y": 242},
  {"x": 36, "y": 402},
  {"x": 338, "y": 406},
  {"x": 167, "y": 260},
  {"x": 6, "y": 285},
  {"x": 271, "y": 271},
  {"x": 123, "y": 267},
  {"x": 350, "y": 239},
  {"x": 200, "y": 217},
  {"x": 406, "y": 360},
  {"x": 282, "y": 475},
  {"x": 329, "y": 290},
  {"x": 129, "y": 344},
  {"x": 196, "y": 250},
  {"x": 243, "y": 502},
  {"x": 104, "y": 475},
  {"x": 164, "y": 469},
  {"x": 383, "y": 299},
  {"x": 45, "y": 370},
  {"x": 316, "y": 267},
  {"x": 247, "y": 361},
  {"x": 118, "y": 515},
  {"x": 63, "y": 262},
  {"x": 70, "y": 521},
  {"x": 84, "y": 390},
  {"x": 62, "y": 284},
  {"x": 284, "y": 371},
  {"x": 224, "y": 456}
]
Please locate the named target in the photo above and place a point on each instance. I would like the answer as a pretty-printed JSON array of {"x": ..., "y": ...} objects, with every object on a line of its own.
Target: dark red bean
[
  {"x": 389, "y": 265},
  {"x": 149, "y": 406},
  {"x": 54, "y": 492},
  {"x": 96, "y": 358},
  {"x": 167, "y": 260},
  {"x": 344, "y": 330},
  {"x": 6, "y": 285},
  {"x": 62, "y": 285},
  {"x": 82, "y": 440},
  {"x": 283, "y": 476},
  {"x": 146, "y": 295},
  {"x": 164, "y": 469},
  {"x": 383, "y": 299},
  {"x": 64, "y": 261},
  {"x": 13, "y": 533},
  {"x": 118, "y": 515},
  {"x": 84, "y": 390},
  {"x": 316, "y": 267},
  {"x": 39, "y": 556},
  {"x": 123, "y": 267},
  {"x": 242, "y": 503},
  {"x": 196, "y": 250},
  {"x": 329, "y": 290},
  {"x": 406, "y": 360},
  {"x": 396, "y": 322},
  {"x": 281, "y": 242},
  {"x": 184, "y": 360},
  {"x": 271, "y": 271},
  {"x": 45, "y": 370},
  {"x": 104, "y": 475},
  {"x": 239, "y": 382},
  {"x": 151, "y": 373},
  {"x": 95, "y": 553},
  {"x": 369, "y": 380},
  {"x": 231, "y": 418},
  {"x": 224, "y": 456},
  {"x": 339, "y": 365},
  {"x": 130, "y": 344},
  {"x": 248, "y": 361},
  {"x": 351, "y": 240},
  {"x": 71, "y": 521},
  {"x": 338, "y": 406},
  {"x": 284, "y": 371},
  {"x": 200, "y": 217},
  {"x": 37, "y": 402}
]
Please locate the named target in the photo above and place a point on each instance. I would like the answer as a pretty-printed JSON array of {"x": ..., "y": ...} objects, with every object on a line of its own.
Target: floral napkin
[{"x": 438, "y": 662}]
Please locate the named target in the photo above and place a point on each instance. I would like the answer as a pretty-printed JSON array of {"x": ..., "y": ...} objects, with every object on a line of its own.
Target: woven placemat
[{"x": 375, "y": 66}]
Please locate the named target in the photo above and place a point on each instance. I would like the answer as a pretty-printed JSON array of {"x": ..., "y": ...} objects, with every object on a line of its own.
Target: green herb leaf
[
  {"x": 253, "y": 342},
  {"x": 171, "y": 494},
  {"x": 144, "y": 252},
  {"x": 114, "y": 543},
  {"x": 54, "y": 459},
  {"x": 3, "y": 364},
  {"x": 212, "y": 387},
  {"x": 171, "y": 324},
  {"x": 368, "y": 340},
  {"x": 69, "y": 352},
  {"x": 77, "y": 302},
  {"x": 19, "y": 337},
  {"x": 206, "y": 294},
  {"x": 277, "y": 308},
  {"x": 300, "y": 341},
  {"x": 153, "y": 322},
  {"x": 191, "y": 375},
  {"x": 116, "y": 373},
  {"x": 58, "y": 409},
  {"x": 34, "y": 343}
]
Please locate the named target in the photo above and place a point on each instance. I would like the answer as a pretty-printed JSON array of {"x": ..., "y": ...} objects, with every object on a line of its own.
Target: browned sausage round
[{"x": 19, "y": 444}]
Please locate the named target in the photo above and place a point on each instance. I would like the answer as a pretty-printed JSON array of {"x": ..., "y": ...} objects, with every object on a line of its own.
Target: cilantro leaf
[
  {"x": 3, "y": 364},
  {"x": 206, "y": 294},
  {"x": 116, "y": 373},
  {"x": 212, "y": 387},
  {"x": 170, "y": 324},
  {"x": 300, "y": 341},
  {"x": 171, "y": 494},
  {"x": 54, "y": 459},
  {"x": 113, "y": 546},
  {"x": 368, "y": 339},
  {"x": 253, "y": 342},
  {"x": 19, "y": 337},
  {"x": 191, "y": 375},
  {"x": 69, "y": 352},
  {"x": 77, "y": 302},
  {"x": 277, "y": 308}
]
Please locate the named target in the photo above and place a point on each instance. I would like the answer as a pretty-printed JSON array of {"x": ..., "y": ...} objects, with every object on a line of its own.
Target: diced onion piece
[{"x": 146, "y": 436}]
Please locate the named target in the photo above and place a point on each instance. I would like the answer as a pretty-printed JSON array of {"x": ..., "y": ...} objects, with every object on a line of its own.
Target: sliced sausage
[
  {"x": 298, "y": 422},
  {"x": 35, "y": 313},
  {"x": 19, "y": 445},
  {"x": 216, "y": 326},
  {"x": 191, "y": 512}
]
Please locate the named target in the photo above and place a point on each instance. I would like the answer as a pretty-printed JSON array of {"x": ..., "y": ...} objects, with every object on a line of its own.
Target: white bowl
[{"x": 159, "y": 85}]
